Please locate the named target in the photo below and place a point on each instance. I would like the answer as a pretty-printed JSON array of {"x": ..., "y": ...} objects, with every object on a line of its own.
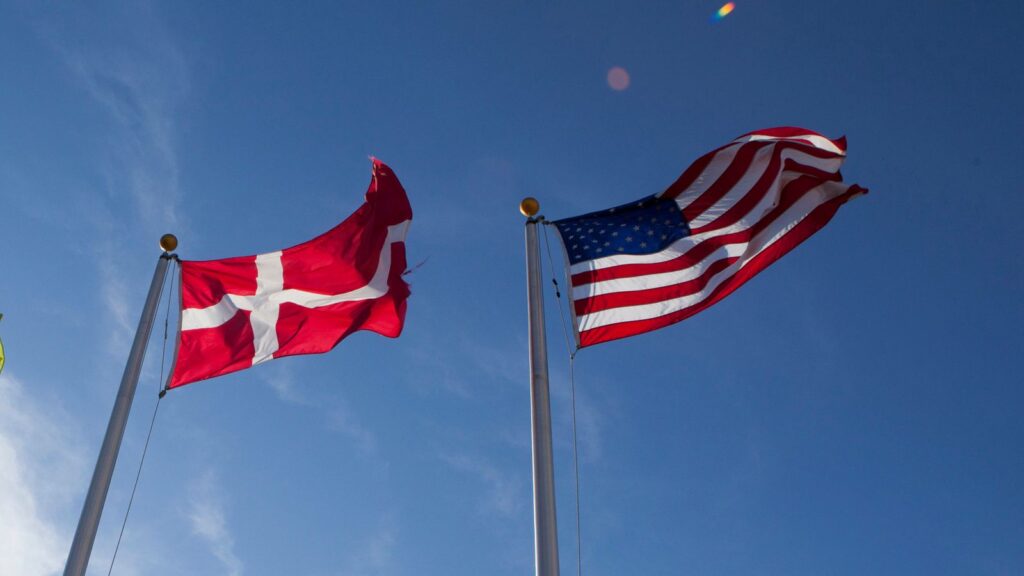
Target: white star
[{"x": 643, "y": 244}]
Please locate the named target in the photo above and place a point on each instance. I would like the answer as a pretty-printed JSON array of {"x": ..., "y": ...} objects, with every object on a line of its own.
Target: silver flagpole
[
  {"x": 85, "y": 535},
  {"x": 545, "y": 525}
]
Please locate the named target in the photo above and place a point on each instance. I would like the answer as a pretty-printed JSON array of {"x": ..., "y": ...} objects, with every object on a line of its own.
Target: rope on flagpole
[
  {"x": 572, "y": 388},
  {"x": 152, "y": 421},
  {"x": 167, "y": 317}
]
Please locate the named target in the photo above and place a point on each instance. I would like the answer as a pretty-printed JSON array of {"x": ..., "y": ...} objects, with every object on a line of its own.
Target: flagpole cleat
[
  {"x": 529, "y": 206},
  {"x": 168, "y": 242}
]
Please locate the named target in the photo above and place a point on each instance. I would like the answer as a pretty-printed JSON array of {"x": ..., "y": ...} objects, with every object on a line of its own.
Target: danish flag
[{"x": 239, "y": 312}]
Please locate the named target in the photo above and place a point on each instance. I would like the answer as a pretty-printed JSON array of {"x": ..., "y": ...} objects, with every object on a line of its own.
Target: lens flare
[
  {"x": 618, "y": 79},
  {"x": 724, "y": 11}
]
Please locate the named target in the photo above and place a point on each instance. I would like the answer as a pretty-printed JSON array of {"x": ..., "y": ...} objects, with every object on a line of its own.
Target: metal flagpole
[
  {"x": 85, "y": 535},
  {"x": 545, "y": 529}
]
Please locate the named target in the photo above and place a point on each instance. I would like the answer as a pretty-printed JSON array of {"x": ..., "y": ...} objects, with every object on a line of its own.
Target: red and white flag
[
  {"x": 659, "y": 260},
  {"x": 239, "y": 312}
]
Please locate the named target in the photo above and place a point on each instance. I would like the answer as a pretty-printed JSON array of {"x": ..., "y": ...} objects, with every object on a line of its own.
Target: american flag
[{"x": 654, "y": 262}]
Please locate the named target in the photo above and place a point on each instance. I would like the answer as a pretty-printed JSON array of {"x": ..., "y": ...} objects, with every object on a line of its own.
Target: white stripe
[
  {"x": 230, "y": 304},
  {"x": 377, "y": 287},
  {"x": 263, "y": 318},
  {"x": 213, "y": 316},
  {"x": 711, "y": 173},
  {"x": 793, "y": 216},
  {"x": 758, "y": 167},
  {"x": 660, "y": 279},
  {"x": 724, "y": 157},
  {"x": 812, "y": 139}
]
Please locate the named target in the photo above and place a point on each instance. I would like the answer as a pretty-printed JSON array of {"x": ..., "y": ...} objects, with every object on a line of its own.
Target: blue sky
[{"x": 853, "y": 410}]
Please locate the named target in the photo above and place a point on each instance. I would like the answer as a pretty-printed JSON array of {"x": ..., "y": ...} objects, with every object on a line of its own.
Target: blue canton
[{"x": 644, "y": 227}]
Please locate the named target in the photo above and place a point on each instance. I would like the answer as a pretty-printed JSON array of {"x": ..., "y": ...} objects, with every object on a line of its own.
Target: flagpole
[
  {"x": 88, "y": 522},
  {"x": 545, "y": 528}
]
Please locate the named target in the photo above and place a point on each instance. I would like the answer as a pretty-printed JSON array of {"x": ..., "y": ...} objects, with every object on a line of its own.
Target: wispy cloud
[
  {"x": 375, "y": 556},
  {"x": 208, "y": 520},
  {"x": 590, "y": 418},
  {"x": 342, "y": 419},
  {"x": 40, "y": 462},
  {"x": 133, "y": 69},
  {"x": 129, "y": 65},
  {"x": 485, "y": 365},
  {"x": 280, "y": 376},
  {"x": 505, "y": 493},
  {"x": 115, "y": 299}
]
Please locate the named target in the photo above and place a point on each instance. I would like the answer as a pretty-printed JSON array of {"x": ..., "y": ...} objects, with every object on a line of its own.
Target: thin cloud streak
[
  {"x": 281, "y": 379},
  {"x": 504, "y": 494},
  {"x": 208, "y": 520},
  {"x": 140, "y": 83},
  {"x": 40, "y": 460},
  {"x": 341, "y": 418},
  {"x": 134, "y": 70},
  {"x": 376, "y": 556}
]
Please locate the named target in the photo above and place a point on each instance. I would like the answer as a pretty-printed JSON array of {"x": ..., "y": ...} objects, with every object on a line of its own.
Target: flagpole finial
[
  {"x": 529, "y": 206},
  {"x": 168, "y": 242}
]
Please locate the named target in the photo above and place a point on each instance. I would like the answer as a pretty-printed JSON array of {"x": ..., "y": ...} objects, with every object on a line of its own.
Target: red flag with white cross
[{"x": 243, "y": 311}]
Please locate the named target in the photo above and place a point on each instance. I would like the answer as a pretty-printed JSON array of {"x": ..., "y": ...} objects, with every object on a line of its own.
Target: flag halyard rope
[
  {"x": 572, "y": 390},
  {"x": 149, "y": 435}
]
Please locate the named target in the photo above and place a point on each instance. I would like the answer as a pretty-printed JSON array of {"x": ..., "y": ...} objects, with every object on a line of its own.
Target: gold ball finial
[
  {"x": 529, "y": 206},
  {"x": 168, "y": 242}
]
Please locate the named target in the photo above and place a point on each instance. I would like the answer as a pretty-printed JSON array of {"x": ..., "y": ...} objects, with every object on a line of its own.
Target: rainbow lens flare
[{"x": 724, "y": 11}]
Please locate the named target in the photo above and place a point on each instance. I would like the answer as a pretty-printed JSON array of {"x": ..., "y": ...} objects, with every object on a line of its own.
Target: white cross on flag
[{"x": 239, "y": 312}]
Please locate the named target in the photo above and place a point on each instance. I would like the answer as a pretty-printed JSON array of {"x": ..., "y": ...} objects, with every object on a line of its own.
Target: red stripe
[
  {"x": 787, "y": 197},
  {"x": 743, "y": 164},
  {"x": 765, "y": 183},
  {"x": 652, "y": 295},
  {"x": 739, "y": 166},
  {"x": 749, "y": 200},
  {"x": 689, "y": 176},
  {"x": 805, "y": 229}
]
